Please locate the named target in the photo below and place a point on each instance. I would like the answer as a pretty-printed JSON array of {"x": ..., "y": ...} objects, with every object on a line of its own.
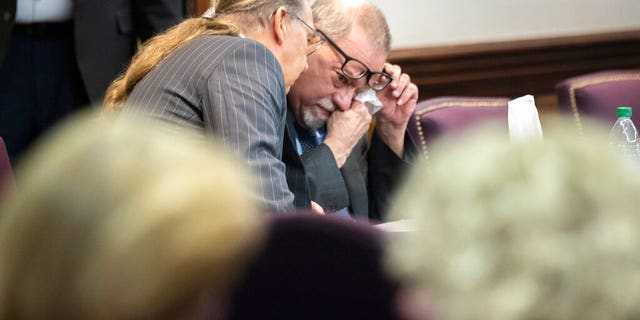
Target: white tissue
[
  {"x": 370, "y": 100},
  {"x": 210, "y": 13},
  {"x": 524, "y": 123}
]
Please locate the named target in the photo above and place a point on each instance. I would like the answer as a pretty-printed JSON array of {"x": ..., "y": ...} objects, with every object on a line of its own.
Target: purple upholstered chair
[
  {"x": 317, "y": 267},
  {"x": 6, "y": 173},
  {"x": 446, "y": 115},
  {"x": 597, "y": 95}
]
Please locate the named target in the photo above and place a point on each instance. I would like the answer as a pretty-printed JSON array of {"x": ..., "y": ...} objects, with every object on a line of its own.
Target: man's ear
[{"x": 280, "y": 25}]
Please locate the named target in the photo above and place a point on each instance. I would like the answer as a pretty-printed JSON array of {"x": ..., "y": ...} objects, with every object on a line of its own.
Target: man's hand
[
  {"x": 399, "y": 100},
  {"x": 345, "y": 129},
  {"x": 316, "y": 208}
]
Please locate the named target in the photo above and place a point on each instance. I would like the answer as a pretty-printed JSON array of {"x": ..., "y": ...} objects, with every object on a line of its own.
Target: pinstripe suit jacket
[
  {"x": 231, "y": 88},
  {"x": 363, "y": 184}
]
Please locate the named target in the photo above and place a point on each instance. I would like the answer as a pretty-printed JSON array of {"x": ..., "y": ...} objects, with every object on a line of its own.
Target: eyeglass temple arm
[{"x": 333, "y": 44}]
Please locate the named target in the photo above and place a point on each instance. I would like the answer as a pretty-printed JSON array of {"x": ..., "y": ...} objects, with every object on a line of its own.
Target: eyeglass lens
[
  {"x": 356, "y": 69},
  {"x": 378, "y": 81}
]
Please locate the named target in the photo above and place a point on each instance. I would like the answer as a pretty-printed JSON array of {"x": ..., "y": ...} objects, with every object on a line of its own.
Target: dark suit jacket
[
  {"x": 7, "y": 12},
  {"x": 363, "y": 184},
  {"x": 107, "y": 34}
]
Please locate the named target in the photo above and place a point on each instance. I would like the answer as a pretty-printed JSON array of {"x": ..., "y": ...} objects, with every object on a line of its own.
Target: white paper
[
  {"x": 398, "y": 226},
  {"x": 370, "y": 100},
  {"x": 210, "y": 13},
  {"x": 524, "y": 123}
]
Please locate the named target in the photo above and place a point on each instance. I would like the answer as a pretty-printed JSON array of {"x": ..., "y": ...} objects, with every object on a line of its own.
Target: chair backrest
[
  {"x": 597, "y": 95},
  {"x": 317, "y": 267},
  {"x": 447, "y": 115},
  {"x": 6, "y": 173}
]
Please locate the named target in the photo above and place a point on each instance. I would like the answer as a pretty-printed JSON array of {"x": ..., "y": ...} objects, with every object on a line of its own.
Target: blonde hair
[
  {"x": 524, "y": 231},
  {"x": 123, "y": 221},
  {"x": 231, "y": 18},
  {"x": 336, "y": 18}
]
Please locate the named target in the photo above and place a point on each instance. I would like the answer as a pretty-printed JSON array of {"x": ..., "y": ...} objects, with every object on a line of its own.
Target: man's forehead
[{"x": 359, "y": 45}]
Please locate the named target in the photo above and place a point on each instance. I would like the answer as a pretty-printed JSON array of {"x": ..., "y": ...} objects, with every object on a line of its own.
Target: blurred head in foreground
[
  {"x": 523, "y": 231},
  {"x": 123, "y": 221}
]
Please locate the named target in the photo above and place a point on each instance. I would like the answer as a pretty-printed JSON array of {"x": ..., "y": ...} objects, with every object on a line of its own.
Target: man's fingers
[{"x": 316, "y": 208}]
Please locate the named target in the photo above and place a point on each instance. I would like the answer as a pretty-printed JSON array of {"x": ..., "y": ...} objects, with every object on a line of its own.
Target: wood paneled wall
[{"x": 515, "y": 68}]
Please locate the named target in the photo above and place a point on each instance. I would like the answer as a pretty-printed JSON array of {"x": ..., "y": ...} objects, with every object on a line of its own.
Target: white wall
[{"x": 417, "y": 23}]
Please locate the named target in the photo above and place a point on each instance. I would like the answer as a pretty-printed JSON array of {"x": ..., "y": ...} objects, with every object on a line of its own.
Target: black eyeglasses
[
  {"x": 314, "y": 41},
  {"x": 356, "y": 69}
]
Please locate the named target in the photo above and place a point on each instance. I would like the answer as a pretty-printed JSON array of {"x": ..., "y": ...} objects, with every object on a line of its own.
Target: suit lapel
[
  {"x": 355, "y": 179},
  {"x": 295, "y": 172}
]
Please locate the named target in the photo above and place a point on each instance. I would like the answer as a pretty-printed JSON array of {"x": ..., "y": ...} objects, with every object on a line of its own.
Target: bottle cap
[{"x": 624, "y": 112}]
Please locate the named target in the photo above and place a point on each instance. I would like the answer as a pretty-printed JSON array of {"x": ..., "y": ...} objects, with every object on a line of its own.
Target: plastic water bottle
[{"x": 623, "y": 137}]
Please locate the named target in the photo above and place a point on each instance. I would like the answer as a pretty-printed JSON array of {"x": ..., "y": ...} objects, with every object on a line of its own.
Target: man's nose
[{"x": 343, "y": 98}]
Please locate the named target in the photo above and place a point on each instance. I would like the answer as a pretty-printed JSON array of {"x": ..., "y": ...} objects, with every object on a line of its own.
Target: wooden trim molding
[
  {"x": 198, "y": 7},
  {"x": 516, "y": 68}
]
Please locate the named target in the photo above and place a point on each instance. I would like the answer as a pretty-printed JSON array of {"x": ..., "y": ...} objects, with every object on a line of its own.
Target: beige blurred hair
[
  {"x": 524, "y": 231},
  {"x": 123, "y": 220}
]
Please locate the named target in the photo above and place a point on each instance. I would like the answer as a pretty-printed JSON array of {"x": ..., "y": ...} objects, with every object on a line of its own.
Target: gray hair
[
  {"x": 248, "y": 14},
  {"x": 336, "y": 18}
]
